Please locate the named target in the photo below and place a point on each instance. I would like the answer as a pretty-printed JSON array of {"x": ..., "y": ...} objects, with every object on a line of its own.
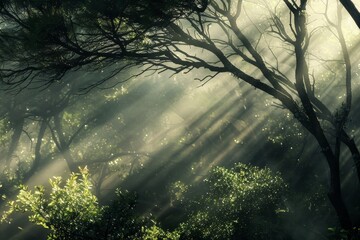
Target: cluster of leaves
[
  {"x": 239, "y": 203},
  {"x": 72, "y": 211},
  {"x": 69, "y": 209},
  {"x": 10, "y": 179},
  {"x": 4, "y": 129},
  {"x": 78, "y": 32}
]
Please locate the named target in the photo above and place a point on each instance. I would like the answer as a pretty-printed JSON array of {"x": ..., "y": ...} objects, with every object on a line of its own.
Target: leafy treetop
[{"x": 53, "y": 37}]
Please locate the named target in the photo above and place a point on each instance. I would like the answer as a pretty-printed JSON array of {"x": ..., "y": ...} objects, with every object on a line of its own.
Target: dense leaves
[
  {"x": 71, "y": 211},
  {"x": 239, "y": 203},
  {"x": 54, "y": 37}
]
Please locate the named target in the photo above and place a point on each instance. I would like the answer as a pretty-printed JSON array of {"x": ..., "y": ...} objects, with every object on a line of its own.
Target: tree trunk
[
  {"x": 336, "y": 199},
  {"x": 64, "y": 147},
  {"x": 303, "y": 88},
  {"x": 38, "y": 157},
  {"x": 350, "y": 143},
  {"x": 335, "y": 193},
  {"x": 18, "y": 125}
]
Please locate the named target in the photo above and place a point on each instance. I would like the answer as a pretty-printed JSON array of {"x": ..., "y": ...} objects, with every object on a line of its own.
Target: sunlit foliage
[
  {"x": 72, "y": 211},
  {"x": 68, "y": 210},
  {"x": 239, "y": 203}
]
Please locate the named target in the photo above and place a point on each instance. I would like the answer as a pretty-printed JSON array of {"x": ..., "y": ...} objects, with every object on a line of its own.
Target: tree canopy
[
  {"x": 52, "y": 38},
  {"x": 55, "y": 37}
]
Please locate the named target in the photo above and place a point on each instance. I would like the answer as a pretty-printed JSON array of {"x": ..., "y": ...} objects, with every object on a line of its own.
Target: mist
[{"x": 144, "y": 130}]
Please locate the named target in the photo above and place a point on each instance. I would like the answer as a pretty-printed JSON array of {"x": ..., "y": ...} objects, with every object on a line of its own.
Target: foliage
[
  {"x": 4, "y": 129},
  {"x": 238, "y": 204},
  {"x": 156, "y": 232},
  {"x": 35, "y": 27},
  {"x": 71, "y": 211},
  {"x": 118, "y": 220},
  {"x": 10, "y": 179},
  {"x": 177, "y": 191}
]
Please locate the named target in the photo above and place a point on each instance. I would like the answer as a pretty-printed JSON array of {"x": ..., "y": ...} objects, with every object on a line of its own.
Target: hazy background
[{"x": 152, "y": 130}]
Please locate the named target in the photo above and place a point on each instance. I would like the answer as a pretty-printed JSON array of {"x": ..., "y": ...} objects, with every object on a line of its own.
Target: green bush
[
  {"x": 71, "y": 212},
  {"x": 238, "y": 203}
]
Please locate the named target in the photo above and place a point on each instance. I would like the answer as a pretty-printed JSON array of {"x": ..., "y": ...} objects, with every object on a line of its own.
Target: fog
[{"x": 144, "y": 132}]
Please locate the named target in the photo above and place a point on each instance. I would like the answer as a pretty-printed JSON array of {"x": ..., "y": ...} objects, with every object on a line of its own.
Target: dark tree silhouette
[
  {"x": 39, "y": 37},
  {"x": 352, "y": 10}
]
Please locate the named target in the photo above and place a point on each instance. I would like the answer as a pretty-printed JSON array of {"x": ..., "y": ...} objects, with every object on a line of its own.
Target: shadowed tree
[
  {"x": 49, "y": 39},
  {"x": 60, "y": 118},
  {"x": 352, "y": 10},
  {"x": 96, "y": 33}
]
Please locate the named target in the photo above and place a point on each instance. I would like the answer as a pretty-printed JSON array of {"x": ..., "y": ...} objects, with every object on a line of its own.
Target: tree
[
  {"x": 53, "y": 121},
  {"x": 69, "y": 210},
  {"x": 72, "y": 211},
  {"x": 237, "y": 203},
  {"x": 78, "y": 34},
  {"x": 53, "y": 39}
]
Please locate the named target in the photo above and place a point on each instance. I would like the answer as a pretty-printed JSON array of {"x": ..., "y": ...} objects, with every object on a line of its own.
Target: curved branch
[{"x": 352, "y": 10}]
